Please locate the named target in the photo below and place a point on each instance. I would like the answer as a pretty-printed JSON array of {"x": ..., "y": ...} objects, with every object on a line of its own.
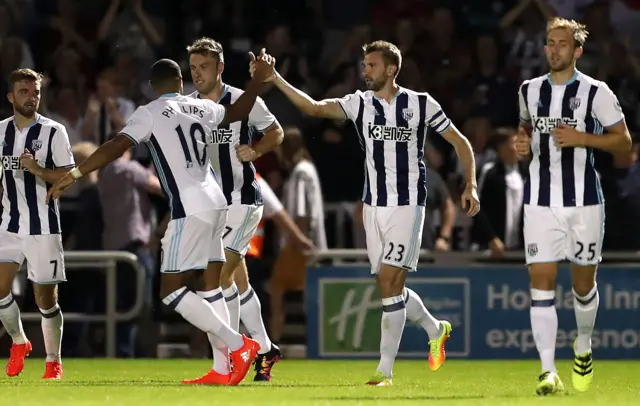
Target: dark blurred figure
[
  {"x": 107, "y": 111},
  {"x": 302, "y": 199},
  {"x": 631, "y": 199},
  {"x": 124, "y": 187},
  {"x": 498, "y": 225}
]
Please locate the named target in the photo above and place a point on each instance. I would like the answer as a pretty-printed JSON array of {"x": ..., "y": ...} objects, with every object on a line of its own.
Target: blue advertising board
[{"x": 488, "y": 308}]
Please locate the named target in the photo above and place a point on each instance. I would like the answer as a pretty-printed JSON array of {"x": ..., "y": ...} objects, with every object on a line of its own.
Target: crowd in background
[{"x": 470, "y": 55}]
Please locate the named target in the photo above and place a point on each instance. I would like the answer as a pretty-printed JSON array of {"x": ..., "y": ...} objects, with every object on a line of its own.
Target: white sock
[
  {"x": 394, "y": 315},
  {"x": 418, "y": 314},
  {"x": 233, "y": 304},
  {"x": 52, "y": 326},
  {"x": 544, "y": 326},
  {"x": 198, "y": 312},
  {"x": 218, "y": 347},
  {"x": 586, "y": 308},
  {"x": 251, "y": 315},
  {"x": 10, "y": 317}
]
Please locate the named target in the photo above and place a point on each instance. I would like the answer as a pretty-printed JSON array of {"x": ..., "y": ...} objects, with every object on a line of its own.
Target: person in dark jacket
[{"x": 498, "y": 225}]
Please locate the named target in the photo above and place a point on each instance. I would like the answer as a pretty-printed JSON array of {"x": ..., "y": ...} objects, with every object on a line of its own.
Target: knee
[
  {"x": 226, "y": 278},
  {"x": 47, "y": 299},
  {"x": 543, "y": 276},
  {"x": 390, "y": 282},
  {"x": 582, "y": 288}
]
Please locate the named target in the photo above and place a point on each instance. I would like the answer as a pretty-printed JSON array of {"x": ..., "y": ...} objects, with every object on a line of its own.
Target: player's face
[
  {"x": 375, "y": 73},
  {"x": 25, "y": 97},
  {"x": 204, "y": 72},
  {"x": 561, "y": 50}
]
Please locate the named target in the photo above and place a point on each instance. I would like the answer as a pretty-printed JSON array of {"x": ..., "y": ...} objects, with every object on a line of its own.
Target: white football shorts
[
  {"x": 553, "y": 234},
  {"x": 242, "y": 223},
  {"x": 44, "y": 255},
  {"x": 393, "y": 235},
  {"x": 192, "y": 242}
]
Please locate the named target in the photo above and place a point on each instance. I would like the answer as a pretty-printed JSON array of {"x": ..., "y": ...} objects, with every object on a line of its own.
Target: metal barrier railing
[{"x": 104, "y": 260}]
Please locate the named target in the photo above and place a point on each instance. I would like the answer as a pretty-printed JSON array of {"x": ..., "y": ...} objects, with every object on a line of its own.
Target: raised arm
[
  {"x": 241, "y": 108},
  {"x": 328, "y": 108}
]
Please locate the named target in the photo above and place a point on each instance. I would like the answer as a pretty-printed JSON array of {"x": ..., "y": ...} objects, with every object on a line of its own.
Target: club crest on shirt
[
  {"x": 618, "y": 106},
  {"x": 574, "y": 103},
  {"x": 36, "y": 145},
  {"x": 532, "y": 249},
  {"x": 407, "y": 114}
]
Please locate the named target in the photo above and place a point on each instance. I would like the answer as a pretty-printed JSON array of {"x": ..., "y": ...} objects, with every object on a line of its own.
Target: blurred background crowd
[{"x": 470, "y": 55}]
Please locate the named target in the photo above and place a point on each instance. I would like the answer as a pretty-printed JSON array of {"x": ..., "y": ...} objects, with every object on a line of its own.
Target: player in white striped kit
[
  {"x": 231, "y": 158},
  {"x": 35, "y": 154},
  {"x": 563, "y": 118},
  {"x": 177, "y": 130},
  {"x": 392, "y": 123}
]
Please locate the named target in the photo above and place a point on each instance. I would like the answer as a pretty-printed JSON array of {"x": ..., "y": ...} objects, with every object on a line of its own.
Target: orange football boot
[
  {"x": 16, "y": 360},
  {"x": 53, "y": 370}
]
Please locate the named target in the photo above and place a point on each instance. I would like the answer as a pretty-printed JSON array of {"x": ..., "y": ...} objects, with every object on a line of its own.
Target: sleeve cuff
[{"x": 135, "y": 142}]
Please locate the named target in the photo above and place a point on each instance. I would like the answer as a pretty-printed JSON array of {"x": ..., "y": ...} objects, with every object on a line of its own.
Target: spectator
[
  {"x": 124, "y": 186},
  {"x": 303, "y": 200},
  {"x": 498, "y": 225}
]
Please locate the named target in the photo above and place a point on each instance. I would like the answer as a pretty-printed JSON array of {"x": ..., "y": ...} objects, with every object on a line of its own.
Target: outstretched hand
[
  {"x": 265, "y": 62},
  {"x": 59, "y": 187}
]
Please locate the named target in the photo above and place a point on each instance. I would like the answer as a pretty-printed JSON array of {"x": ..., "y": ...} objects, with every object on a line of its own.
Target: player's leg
[
  {"x": 545, "y": 244},
  {"x": 195, "y": 241},
  {"x": 390, "y": 280},
  {"x": 10, "y": 259},
  {"x": 587, "y": 233},
  {"x": 438, "y": 331},
  {"x": 45, "y": 268},
  {"x": 242, "y": 222},
  {"x": 212, "y": 293},
  {"x": 251, "y": 316}
]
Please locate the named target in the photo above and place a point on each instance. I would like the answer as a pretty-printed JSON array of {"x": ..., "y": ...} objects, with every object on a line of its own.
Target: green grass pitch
[{"x": 157, "y": 382}]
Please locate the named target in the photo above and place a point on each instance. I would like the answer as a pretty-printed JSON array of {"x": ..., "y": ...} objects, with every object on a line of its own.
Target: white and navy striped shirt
[
  {"x": 237, "y": 178},
  {"x": 392, "y": 136},
  {"x": 23, "y": 208},
  {"x": 565, "y": 177},
  {"x": 177, "y": 130}
]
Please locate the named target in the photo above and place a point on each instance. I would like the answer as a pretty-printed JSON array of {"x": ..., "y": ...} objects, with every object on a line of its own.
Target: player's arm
[
  {"x": 240, "y": 109},
  {"x": 328, "y": 108},
  {"x": 107, "y": 153},
  {"x": 61, "y": 154},
  {"x": 465, "y": 153},
  {"x": 525, "y": 129},
  {"x": 608, "y": 111},
  {"x": 262, "y": 120},
  {"x": 49, "y": 175},
  {"x": 138, "y": 129},
  {"x": 274, "y": 210},
  {"x": 272, "y": 138}
]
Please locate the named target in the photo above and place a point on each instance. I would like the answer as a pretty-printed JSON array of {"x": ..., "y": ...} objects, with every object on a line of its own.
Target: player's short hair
[
  {"x": 165, "y": 71},
  {"x": 19, "y": 75},
  {"x": 577, "y": 30},
  {"x": 208, "y": 47},
  {"x": 390, "y": 53}
]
